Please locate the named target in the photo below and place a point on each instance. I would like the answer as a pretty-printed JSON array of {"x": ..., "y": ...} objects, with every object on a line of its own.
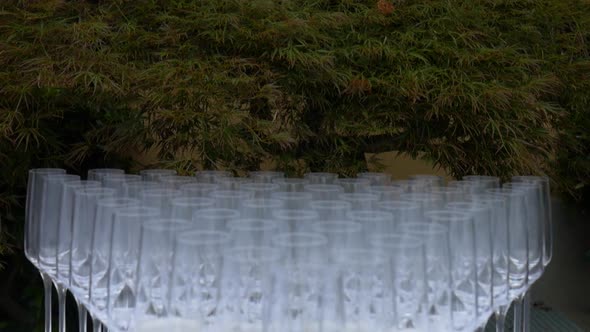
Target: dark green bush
[{"x": 477, "y": 86}]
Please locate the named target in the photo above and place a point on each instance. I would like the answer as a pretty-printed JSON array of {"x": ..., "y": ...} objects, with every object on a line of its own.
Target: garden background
[{"x": 497, "y": 87}]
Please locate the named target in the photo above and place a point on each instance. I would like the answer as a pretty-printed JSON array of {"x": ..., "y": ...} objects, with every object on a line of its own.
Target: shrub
[{"x": 480, "y": 86}]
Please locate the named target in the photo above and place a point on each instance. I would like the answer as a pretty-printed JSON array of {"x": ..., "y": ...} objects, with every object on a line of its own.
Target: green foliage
[{"x": 476, "y": 86}]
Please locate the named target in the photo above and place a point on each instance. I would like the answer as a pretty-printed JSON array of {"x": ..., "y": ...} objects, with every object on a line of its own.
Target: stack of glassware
[{"x": 217, "y": 253}]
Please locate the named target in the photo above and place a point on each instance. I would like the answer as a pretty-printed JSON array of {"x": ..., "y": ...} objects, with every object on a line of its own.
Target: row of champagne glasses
[{"x": 266, "y": 253}]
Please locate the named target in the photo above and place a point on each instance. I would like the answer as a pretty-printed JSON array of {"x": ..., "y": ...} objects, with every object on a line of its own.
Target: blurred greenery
[{"x": 476, "y": 86}]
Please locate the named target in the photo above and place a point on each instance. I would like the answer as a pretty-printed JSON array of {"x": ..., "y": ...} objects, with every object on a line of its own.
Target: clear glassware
[
  {"x": 403, "y": 211},
  {"x": 156, "y": 253},
  {"x": 230, "y": 199},
  {"x": 448, "y": 194},
  {"x": 324, "y": 191},
  {"x": 84, "y": 213},
  {"x": 294, "y": 200},
  {"x": 155, "y": 174},
  {"x": 133, "y": 189},
  {"x": 427, "y": 201},
  {"x": 119, "y": 181},
  {"x": 412, "y": 186},
  {"x": 376, "y": 178},
  {"x": 387, "y": 193},
  {"x": 295, "y": 220},
  {"x": 261, "y": 190},
  {"x": 100, "y": 251},
  {"x": 248, "y": 232},
  {"x": 98, "y": 173},
  {"x": 375, "y": 221},
  {"x": 195, "y": 285},
  {"x": 501, "y": 255},
  {"x": 246, "y": 290},
  {"x": 125, "y": 244},
  {"x": 491, "y": 182},
  {"x": 184, "y": 207},
  {"x": 160, "y": 198},
  {"x": 320, "y": 177},
  {"x": 354, "y": 185},
  {"x": 260, "y": 208},
  {"x": 484, "y": 253},
  {"x": 340, "y": 235},
  {"x": 290, "y": 184},
  {"x": 213, "y": 219},
  {"x": 360, "y": 201},
  {"x": 518, "y": 262},
  {"x": 409, "y": 282},
  {"x": 49, "y": 230},
  {"x": 232, "y": 183},
  {"x": 365, "y": 278},
  {"x": 176, "y": 181},
  {"x": 265, "y": 176},
  {"x": 64, "y": 242},
  {"x": 199, "y": 189},
  {"x": 536, "y": 243},
  {"x": 330, "y": 210},
  {"x": 212, "y": 176},
  {"x": 469, "y": 187},
  {"x": 464, "y": 256}
]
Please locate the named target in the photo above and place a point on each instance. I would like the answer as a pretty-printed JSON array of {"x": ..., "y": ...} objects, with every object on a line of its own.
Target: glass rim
[
  {"x": 358, "y": 197},
  {"x": 291, "y": 214},
  {"x": 423, "y": 228},
  {"x": 360, "y": 257},
  {"x": 398, "y": 204},
  {"x": 243, "y": 254},
  {"x": 353, "y": 181},
  {"x": 447, "y": 215},
  {"x": 84, "y": 191},
  {"x": 341, "y": 227},
  {"x": 82, "y": 184},
  {"x": 505, "y": 191},
  {"x": 209, "y": 237},
  {"x": 252, "y": 224},
  {"x": 299, "y": 240},
  {"x": 373, "y": 214},
  {"x": 216, "y": 213},
  {"x": 322, "y": 187},
  {"x": 386, "y": 188},
  {"x": 330, "y": 204},
  {"x": 320, "y": 174},
  {"x": 262, "y": 203},
  {"x": 230, "y": 194},
  {"x": 284, "y": 195},
  {"x": 167, "y": 224},
  {"x": 137, "y": 211},
  {"x": 471, "y": 206},
  {"x": 192, "y": 201},
  {"x": 160, "y": 192},
  {"x": 396, "y": 241},
  {"x": 199, "y": 185},
  {"x": 61, "y": 177},
  {"x": 117, "y": 202},
  {"x": 290, "y": 180},
  {"x": 213, "y": 172}
]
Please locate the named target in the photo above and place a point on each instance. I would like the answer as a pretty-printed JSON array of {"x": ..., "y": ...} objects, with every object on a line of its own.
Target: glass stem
[
  {"x": 526, "y": 312},
  {"x": 518, "y": 313},
  {"x": 61, "y": 300},
  {"x": 82, "y": 318},
  {"x": 500, "y": 315},
  {"x": 96, "y": 325},
  {"x": 47, "y": 287}
]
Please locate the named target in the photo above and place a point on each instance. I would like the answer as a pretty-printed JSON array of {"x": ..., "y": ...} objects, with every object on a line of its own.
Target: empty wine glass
[
  {"x": 212, "y": 176},
  {"x": 320, "y": 177},
  {"x": 125, "y": 244},
  {"x": 155, "y": 174},
  {"x": 195, "y": 285},
  {"x": 290, "y": 184},
  {"x": 376, "y": 178},
  {"x": 265, "y": 176},
  {"x": 246, "y": 292},
  {"x": 156, "y": 253}
]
